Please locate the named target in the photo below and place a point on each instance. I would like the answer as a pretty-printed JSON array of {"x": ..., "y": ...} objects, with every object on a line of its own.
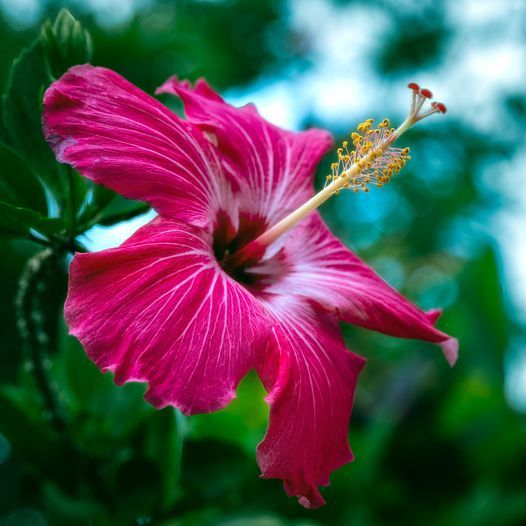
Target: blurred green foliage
[{"x": 434, "y": 446}]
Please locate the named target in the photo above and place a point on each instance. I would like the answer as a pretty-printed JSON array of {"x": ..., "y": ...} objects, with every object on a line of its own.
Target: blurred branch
[
  {"x": 29, "y": 304},
  {"x": 68, "y": 244}
]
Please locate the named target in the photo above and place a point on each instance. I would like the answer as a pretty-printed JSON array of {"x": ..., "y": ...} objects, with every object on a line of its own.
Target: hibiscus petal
[
  {"x": 311, "y": 379},
  {"x": 274, "y": 167},
  {"x": 326, "y": 271},
  {"x": 117, "y": 135},
  {"x": 159, "y": 310}
]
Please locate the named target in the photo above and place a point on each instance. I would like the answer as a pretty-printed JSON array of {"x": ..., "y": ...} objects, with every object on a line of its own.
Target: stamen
[{"x": 373, "y": 160}]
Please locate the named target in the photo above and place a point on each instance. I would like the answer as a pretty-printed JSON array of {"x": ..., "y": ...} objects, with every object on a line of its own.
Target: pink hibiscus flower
[{"x": 236, "y": 272}]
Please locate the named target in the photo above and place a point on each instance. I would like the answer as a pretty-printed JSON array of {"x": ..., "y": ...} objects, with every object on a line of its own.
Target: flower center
[
  {"x": 250, "y": 271},
  {"x": 374, "y": 160}
]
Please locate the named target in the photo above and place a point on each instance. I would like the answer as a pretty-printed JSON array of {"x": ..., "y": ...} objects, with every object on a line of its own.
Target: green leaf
[
  {"x": 122, "y": 209},
  {"x": 17, "y": 223},
  {"x": 242, "y": 423},
  {"x": 21, "y": 421},
  {"x": 22, "y": 109},
  {"x": 102, "y": 196},
  {"x": 65, "y": 43},
  {"x": 77, "y": 509},
  {"x": 18, "y": 184},
  {"x": 58, "y": 47},
  {"x": 164, "y": 445},
  {"x": 99, "y": 412},
  {"x": 108, "y": 208}
]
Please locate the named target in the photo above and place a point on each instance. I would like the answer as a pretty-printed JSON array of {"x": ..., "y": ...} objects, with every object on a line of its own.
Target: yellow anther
[
  {"x": 365, "y": 125},
  {"x": 368, "y": 145},
  {"x": 372, "y": 161}
]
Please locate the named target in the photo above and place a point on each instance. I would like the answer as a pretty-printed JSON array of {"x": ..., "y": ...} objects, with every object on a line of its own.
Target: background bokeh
[{"x": 433, "y": 445}]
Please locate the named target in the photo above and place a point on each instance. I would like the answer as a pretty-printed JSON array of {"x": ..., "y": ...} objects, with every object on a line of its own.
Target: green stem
[
  {"x": 59, "y": 243},
  {"x": 68, "y": 244},
  {"x": 72, "y": 204}
]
